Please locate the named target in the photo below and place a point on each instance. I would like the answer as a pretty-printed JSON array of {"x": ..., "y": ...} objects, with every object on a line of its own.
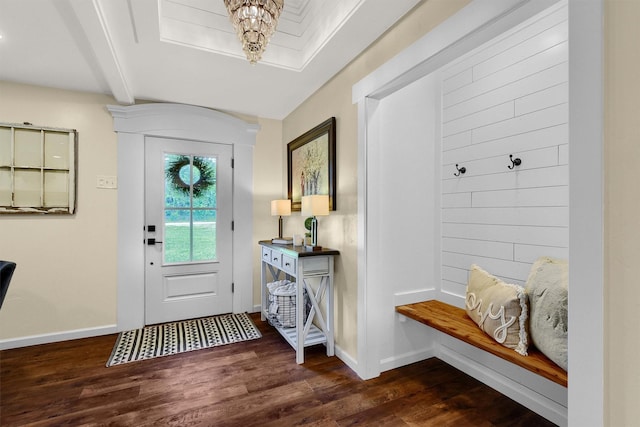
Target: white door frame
[
  {"x": 187, "y": 289},
  {"x": 133, "y": 124}
]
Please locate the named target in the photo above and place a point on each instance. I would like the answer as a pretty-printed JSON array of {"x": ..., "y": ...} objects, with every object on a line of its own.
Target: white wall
[
  {"x": 66, "y": 274},
  {"x": 508, "y": 96},
  {"x": 268, "y": 160},
  {"x": 406, "y": 197}
]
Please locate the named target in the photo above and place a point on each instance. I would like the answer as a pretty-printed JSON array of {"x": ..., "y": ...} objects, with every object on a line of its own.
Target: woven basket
[{"x": 282, "y": 304}]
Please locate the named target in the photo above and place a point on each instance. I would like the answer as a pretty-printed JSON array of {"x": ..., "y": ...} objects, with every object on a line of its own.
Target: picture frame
[
  {"x": 311, "y": 164},
  {"x": 38, "y": 169}
]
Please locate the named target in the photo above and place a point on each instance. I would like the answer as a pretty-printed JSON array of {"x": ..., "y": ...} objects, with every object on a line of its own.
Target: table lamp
[
  {"x": 315, "y": 205},
  {"x": 280, "y": 208}
]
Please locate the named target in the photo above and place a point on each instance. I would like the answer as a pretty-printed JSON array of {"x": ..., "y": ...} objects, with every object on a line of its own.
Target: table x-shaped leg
[{"x": 315, "y": 309}]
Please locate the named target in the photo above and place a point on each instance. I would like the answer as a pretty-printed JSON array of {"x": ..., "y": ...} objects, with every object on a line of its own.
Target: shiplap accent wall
[{"x": 509, "y": 96}]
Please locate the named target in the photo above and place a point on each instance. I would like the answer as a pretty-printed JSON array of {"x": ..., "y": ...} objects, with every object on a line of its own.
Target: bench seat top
[{"x": 454, "y": 321}]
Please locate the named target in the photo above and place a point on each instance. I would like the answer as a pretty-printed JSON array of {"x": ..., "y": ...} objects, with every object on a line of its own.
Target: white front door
[{"x": 188, "y": 229}]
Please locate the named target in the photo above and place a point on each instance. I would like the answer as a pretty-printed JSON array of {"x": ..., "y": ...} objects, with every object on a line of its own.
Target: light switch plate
[{"x": 107, "y": 181}]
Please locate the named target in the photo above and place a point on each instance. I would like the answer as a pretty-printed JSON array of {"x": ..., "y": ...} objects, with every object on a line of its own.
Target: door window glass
[{"x": 190, "y": 208}]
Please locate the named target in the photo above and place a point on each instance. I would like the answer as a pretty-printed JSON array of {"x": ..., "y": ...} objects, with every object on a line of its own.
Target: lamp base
[{"x": 311, "y": 248}]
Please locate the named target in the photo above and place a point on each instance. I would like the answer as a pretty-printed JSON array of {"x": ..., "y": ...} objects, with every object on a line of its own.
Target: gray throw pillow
[{"x": 548, "y": 290}]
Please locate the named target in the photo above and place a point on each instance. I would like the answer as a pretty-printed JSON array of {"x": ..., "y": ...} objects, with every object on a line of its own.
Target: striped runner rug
[{"x": 179, "y": 337}]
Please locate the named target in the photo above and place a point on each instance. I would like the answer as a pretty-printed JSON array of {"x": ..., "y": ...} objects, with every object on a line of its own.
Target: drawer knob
[
  {"x": 287, "y": 264},
  {"x": 275, "y": 259}
]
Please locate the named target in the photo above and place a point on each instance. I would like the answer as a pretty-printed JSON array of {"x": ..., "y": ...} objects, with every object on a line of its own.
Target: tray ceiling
[{"x": 186, "y": 51}]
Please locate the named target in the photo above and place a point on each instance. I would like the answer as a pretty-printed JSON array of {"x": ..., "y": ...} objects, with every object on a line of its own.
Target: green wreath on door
[{"x": 203, "y": 175}]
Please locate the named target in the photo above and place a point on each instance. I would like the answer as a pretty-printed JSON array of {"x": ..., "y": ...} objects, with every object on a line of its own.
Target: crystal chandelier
[{"x": 255, "y": 21}]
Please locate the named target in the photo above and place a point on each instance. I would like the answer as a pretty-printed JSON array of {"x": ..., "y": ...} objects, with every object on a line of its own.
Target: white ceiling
[{"x": 186, "y": 51}]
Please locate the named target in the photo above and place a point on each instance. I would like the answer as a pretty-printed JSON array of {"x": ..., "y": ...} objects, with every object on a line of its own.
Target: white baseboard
[
  {"x": 56, "y": 337},
  {"x": 340, "y": 354},
  {"x": 406, "y": 359},
  {"x": 388, "y": 364},
  {"x": 533, "y": 400},
  {"x": 346, "y": 359}
]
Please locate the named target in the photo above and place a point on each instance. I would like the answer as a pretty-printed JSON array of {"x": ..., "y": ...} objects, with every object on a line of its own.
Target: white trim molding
[
  {"x": 586, "y": 214},
  {"x": 57, "y": 337}
]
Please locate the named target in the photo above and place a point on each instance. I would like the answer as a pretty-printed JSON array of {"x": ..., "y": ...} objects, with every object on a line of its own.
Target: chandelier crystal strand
[{"x": 255, "y": 22}]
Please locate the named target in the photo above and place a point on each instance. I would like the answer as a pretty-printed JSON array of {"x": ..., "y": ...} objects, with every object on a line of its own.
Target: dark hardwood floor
[{"x": 255, "y": 383}]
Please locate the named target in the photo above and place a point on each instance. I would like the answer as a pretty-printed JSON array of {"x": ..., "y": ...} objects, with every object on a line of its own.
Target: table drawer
[
  {"x": 276, "y": 259},
  {"x": 289, "y": 264},
  {"x": 266, "y": 254},
  {"x": 316, "y": 265}
]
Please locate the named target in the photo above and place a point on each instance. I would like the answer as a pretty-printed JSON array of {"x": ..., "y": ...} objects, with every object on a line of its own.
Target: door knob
[{"x": 152, "y": 241}]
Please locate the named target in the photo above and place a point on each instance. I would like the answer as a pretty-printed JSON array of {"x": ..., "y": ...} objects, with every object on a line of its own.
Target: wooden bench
[{"x": 454, "y": 321}]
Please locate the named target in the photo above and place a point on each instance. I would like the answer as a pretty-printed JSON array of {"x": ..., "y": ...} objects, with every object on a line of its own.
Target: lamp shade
[
  {"x": 281, "y": 207},
  {"x": 315, "y": 205}
]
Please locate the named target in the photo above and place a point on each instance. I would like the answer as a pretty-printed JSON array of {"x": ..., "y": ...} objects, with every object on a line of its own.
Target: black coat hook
[
  {"x": 461, "y": 170},
  {"x": 514, "y": 162}
]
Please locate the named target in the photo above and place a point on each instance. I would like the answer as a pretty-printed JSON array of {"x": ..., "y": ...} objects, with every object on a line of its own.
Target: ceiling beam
[{"x": 93, "y": 22}]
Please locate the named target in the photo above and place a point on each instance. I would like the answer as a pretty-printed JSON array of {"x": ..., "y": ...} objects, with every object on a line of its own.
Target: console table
[{"x": 297, "y": 263}]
